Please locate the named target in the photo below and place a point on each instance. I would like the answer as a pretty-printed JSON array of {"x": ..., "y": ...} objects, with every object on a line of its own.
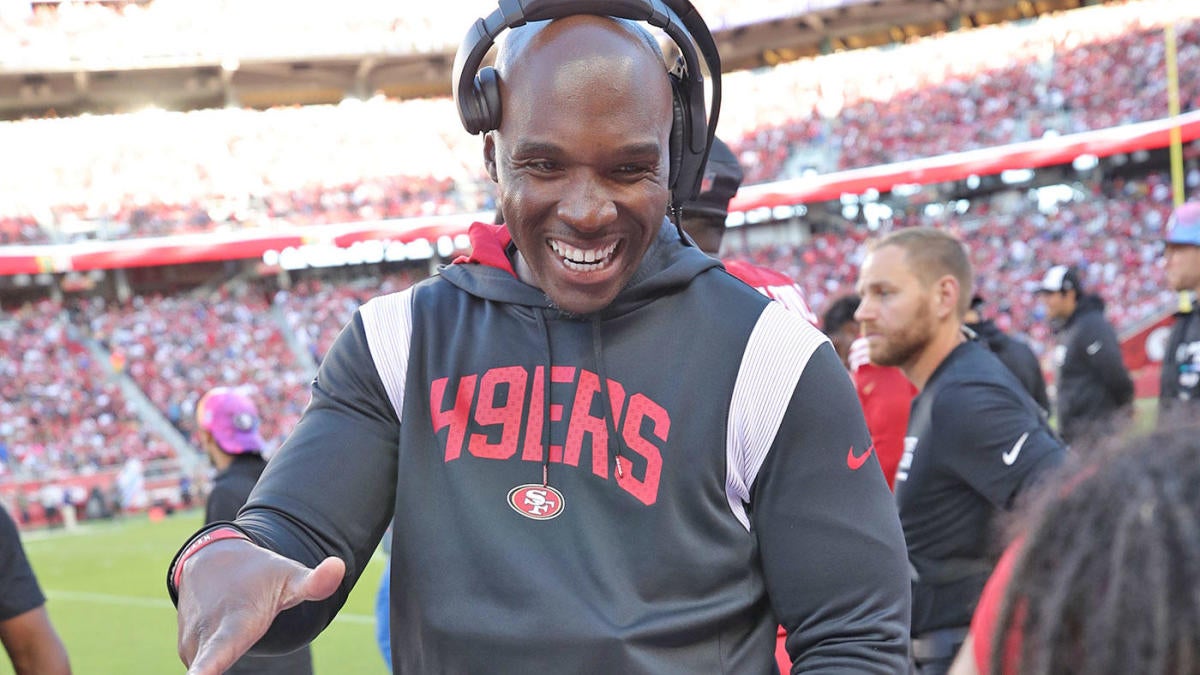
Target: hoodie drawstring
[
  {"x": 615, "y": 443},
  {"x": 541, "y": 319},
  {"x": 609, "y": 418}
]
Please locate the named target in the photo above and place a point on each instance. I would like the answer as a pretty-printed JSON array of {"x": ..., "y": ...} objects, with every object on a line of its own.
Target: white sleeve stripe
[
  {"x": 387, "y": 322},
  {"x": 776, "y": 353}
]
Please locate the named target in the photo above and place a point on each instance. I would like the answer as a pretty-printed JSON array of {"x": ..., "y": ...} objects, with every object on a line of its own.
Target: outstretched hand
[{"x": 230, "y": 593}]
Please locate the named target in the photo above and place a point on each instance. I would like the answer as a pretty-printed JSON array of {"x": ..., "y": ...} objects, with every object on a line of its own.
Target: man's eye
[
  {"x": 633, "y": 168},
  {"x": 537, "y": 165}
]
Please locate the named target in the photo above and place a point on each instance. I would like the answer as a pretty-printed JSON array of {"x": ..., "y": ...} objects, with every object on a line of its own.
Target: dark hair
[
  {"x": 1108, "y": 578},
  {"x": 840, "y": 312}
]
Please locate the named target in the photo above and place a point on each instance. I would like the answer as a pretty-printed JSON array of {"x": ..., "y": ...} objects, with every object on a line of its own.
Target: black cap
[{"x": 722, "y": 178}]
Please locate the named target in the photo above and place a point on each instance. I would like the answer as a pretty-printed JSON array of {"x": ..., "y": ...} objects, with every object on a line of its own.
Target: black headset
[{"x": 478, "y": 97}]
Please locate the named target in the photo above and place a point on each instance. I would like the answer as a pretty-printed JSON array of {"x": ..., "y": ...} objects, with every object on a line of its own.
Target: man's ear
[
  {"x": 489, "y": 155},
  {"x": 947, "y": 294}
]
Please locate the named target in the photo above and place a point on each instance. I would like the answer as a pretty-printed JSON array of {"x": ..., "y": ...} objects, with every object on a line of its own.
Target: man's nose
[
  {"x": 865, "y": 311},
  {"x": 587, "y": 204}
]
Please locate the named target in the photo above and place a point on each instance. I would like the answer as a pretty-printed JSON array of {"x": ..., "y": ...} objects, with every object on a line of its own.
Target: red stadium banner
[{"x": 958, "y": 166}]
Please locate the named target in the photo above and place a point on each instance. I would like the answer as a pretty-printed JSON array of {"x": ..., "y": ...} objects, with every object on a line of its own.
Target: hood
[
  {"x": 1087, "y": 304},
  {"x": 488, "y": 273},
  {"x": 988, "y": 331}
]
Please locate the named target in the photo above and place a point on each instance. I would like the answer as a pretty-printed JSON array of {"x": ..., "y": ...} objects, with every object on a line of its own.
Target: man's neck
[{"x": 948, "y": 337}]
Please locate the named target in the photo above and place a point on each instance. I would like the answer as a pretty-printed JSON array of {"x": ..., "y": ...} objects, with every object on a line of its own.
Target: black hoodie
[
  {"x": 1017, "y": 356},
  {"x": 1094, "y": 387},
  {"x": 708, "y": 476}
]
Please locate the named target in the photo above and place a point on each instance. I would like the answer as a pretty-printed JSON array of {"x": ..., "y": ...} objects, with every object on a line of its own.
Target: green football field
[{"x": 107, "y": 598}]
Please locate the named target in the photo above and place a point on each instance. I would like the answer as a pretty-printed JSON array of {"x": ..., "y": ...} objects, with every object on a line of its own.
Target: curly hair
[{"x": 1108, "y": 578}]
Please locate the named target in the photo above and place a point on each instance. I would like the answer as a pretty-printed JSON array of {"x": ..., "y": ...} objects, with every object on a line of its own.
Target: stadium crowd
[
  {"x": 176, "y": 348},
  {"x": 156, "y": 173},
  {"x": 61, "y": 412},
  {"x": 1112, "y": 231}
]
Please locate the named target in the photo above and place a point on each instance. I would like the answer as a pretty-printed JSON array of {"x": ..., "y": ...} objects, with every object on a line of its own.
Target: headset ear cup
[
  {"x": 680, "y": 132},
  {"x": 484, "y": 113}
]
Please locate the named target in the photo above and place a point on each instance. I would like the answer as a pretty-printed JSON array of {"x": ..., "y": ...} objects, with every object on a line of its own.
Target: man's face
[
  {"x": 706, "y": 229},
  {"x": 1183, "y": 267},
  {"x": 1057, "y": 304},
  {"x": 581, "y": 159},
  {"x": 895, "y": 314},
  {"x": 842, "y": 338}
]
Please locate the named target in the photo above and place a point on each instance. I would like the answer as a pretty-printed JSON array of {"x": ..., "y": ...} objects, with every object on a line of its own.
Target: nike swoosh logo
[
  {"x": 1011, "y": 456},
  {"x": 1093, "y": 348},
  {"x": 854, "y": 461}
]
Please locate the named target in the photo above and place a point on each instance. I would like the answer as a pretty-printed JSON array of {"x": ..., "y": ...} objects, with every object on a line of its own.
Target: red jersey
[
  {"x": 987, "y": 613},
  {"x": 775, "y": 285},
  {"x": 886, "y": 396}
]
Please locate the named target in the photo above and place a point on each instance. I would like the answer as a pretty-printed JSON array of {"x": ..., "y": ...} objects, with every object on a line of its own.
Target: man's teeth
[{"x": 578, "y": 255}]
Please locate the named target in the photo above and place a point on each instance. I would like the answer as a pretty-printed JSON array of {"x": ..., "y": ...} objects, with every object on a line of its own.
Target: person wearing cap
[
  {"x": 1094, "y": 389},
  {"x": 704, "y": 221},
  {"x": 227, "y": 424},
  {"x": 1179, "y": 394},
  {"x": 1014, "y": 353}
]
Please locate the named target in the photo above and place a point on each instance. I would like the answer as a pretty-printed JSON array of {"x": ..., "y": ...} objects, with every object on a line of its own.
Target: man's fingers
[
  {"x": 221, "y": 650},
  {"x": 318, "y": 583}
]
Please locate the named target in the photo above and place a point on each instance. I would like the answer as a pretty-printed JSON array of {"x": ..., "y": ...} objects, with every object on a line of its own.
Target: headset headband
[{"x": 677, "y": 18}]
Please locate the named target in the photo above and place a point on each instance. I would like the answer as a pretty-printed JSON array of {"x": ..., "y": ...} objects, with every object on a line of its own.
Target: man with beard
[{"x": 976, "y": 439}]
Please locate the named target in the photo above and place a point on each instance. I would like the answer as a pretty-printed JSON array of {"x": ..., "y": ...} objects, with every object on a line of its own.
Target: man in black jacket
[
  {"x": 1014, "y": 353},
  {"x": 1094, "y": 387},
  {"x": 1179, "y": 396}
]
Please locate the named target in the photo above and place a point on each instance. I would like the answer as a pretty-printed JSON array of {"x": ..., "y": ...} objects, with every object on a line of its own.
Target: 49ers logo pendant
[{"x": 539, "y": 502}]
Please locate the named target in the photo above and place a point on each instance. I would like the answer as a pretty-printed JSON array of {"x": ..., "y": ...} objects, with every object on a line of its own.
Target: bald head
[
  {"x": 580, "y": 51},
  {"x": 581, "y": 155},
  {"x": 519, "y": 41}
]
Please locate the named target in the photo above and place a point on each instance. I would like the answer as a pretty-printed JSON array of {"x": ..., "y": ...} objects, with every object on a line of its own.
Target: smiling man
[
  {"x": 603, "y": 453},
  {"x": 975, "y": 441}
]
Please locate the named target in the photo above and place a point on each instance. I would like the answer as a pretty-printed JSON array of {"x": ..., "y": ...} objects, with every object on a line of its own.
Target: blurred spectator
[
  {"x": 1094, "y": 390},
  {"x": 1179, "y": 395},
  {"x": 885, "y": 393},
  {"x": 1013, "y": 353},
  {"x": 703, "y": 219}
]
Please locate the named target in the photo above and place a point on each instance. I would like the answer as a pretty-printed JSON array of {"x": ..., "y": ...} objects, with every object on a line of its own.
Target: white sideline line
[{"x": 162, "y": 603}]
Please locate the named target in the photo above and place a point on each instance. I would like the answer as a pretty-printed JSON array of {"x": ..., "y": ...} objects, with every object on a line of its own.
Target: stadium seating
[
  {"x": 155, "y": 173},
  {"x": 61, "y": 411}
]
